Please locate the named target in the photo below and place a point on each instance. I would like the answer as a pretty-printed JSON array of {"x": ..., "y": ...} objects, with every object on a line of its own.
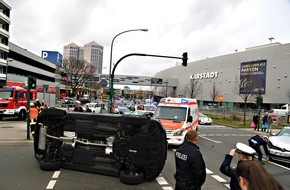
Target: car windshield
[
  {"x": 124, "y": 110},
  {"x": 6, "y": 94},
  {"x": 168, "y": 112},
  {"x": 284, "y": 132},
  {"x": 92, "y": 105}
]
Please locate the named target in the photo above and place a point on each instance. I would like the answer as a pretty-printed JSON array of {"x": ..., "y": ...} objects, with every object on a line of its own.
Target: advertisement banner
[{"x": 253, "y": 77}]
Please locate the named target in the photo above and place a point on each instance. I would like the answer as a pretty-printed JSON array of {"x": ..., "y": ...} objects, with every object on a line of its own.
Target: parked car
[
  {"x": 133, "y": 149},
  {"x": 150, "y": 108},
  {"x": 95, "y": 107},
  {"x": 68, "y": 100},
  {"x": 204, "y": 120},
  {"x": 122, "y": 110},
  {"x": 279, "y": 146}
]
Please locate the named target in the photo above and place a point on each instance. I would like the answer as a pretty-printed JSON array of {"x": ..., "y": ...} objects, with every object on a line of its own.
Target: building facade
[
  {"x": 266, "y": 67},
  {"x": 4, "y": 36},
  {"x": 91, "y": 52}
]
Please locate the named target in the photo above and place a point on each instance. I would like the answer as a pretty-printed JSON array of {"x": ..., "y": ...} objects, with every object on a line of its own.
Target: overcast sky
[{"x": 203, "y": 28}]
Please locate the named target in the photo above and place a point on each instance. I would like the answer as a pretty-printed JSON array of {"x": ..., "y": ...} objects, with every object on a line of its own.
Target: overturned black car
[{"x": 131, "y": 148}]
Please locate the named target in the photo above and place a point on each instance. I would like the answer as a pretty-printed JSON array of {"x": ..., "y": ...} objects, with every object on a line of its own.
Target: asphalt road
[{"x": 20, "y": 170}]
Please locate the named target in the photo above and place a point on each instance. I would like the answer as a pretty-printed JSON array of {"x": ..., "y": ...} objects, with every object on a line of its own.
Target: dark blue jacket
[
  {"x": 229, "y": 171},
  {"x": 190, "y": 164},
  {"x": 261, "y": 142}
]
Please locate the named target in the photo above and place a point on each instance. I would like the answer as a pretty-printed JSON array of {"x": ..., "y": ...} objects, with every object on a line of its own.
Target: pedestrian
[
  {"x": 270, "y": 123},
  {"x": 264, "y": 122},
  {"x": 190, "y": 166},
  {"x": 244, "y": 153},
  {"x": 88, "y": 109},
  {"x": 255, "y": 121},
  {"x": 255, "y": 142},
  {"x": 79, "y": 108},
  {"x": 252, "y": 175}
]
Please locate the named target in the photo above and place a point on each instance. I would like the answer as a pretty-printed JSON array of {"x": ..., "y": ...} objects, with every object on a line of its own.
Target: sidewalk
[{"x": 14, "y": 133}]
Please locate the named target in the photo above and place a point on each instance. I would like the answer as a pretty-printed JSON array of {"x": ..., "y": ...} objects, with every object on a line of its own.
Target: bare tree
[
  {"x": 191, "y": 89},
  {"x": 194, "y": 88},
  {"x": 246, "y": 95},
  {"x": 77, "y": 72},
  {"x": 214, "y": 93}
]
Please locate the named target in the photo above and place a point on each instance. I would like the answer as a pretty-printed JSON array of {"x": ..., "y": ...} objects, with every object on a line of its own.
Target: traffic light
[
  {"x": 184, "y": 59},
  {"x": 32, "y": 82}
]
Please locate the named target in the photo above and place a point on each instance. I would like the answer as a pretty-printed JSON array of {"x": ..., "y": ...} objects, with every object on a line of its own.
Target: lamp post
[{"x": 110, "y": 69}]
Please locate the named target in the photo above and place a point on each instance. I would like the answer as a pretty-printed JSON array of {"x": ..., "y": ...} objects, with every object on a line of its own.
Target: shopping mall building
[{"x": 231, "y": 77}]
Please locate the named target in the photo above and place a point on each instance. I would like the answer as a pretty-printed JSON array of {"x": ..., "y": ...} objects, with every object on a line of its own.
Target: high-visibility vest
[{"x": 33, "y": 113}]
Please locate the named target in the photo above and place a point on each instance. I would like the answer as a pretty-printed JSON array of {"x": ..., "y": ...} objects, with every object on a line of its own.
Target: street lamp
[{"x": 110, "y": 69}]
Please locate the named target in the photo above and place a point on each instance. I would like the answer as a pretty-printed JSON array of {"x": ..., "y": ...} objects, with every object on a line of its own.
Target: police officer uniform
[
  {"x": 255, "y": 142},
  {"x": 229, "y": 171},
  {"x": 190, "y": 167}
]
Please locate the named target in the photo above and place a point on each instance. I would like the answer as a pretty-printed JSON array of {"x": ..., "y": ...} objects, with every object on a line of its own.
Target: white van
[{"x": 177, "y": 116}]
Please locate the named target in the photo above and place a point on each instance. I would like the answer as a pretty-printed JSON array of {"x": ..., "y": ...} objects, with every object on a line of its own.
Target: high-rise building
[
  {"x": 91, "y": 52},
  {"x": 4, "y": 36}
]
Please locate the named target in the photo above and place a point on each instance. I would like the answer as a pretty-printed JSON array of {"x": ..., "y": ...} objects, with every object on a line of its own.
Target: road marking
[
  {"x": 219, "y": 179},
  {"x": 56, "y": 174},
  {"x": 167, "y": 188},
  {"x": 208, "y": 171},
  {"x": 210, "y": 139},
  {"x": 51, "y": 184},
  {"x": 161, "y": 181}
]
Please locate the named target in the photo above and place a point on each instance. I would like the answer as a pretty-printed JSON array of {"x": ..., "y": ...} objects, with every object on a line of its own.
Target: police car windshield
[{"x": 168, "y": 112}]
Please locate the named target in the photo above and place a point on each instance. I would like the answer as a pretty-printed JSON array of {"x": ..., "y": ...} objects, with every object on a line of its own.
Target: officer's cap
[{"x": 245, "y": 149}]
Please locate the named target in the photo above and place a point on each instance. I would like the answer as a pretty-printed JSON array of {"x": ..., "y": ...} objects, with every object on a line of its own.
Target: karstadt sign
[{"x": 208, "y": 75}]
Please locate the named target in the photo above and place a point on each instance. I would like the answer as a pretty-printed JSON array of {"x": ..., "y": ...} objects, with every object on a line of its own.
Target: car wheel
[
  {"x": 22, "y": 115},
  {"x": 49, "y": 166},
  {"x": 131, "y": 178}
]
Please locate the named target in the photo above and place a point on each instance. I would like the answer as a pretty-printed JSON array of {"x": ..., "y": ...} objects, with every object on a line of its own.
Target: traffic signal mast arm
[{"x": 184, "y": 63}]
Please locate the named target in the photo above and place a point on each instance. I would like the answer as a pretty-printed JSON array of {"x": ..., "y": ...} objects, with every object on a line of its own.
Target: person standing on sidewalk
[
  {"x": 255, "y": 121},
  {"x": 270, "y": 123}
]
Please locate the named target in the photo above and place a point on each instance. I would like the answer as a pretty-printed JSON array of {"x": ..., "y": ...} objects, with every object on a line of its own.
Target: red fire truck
[{"x": 13, "y": 101}]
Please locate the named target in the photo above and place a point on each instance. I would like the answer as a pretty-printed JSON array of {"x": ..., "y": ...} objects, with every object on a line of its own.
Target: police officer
[
  {"x": 245, "y": 152},
  {"x": 190, "y": 166},
  {"x": 255, "y": 142}
]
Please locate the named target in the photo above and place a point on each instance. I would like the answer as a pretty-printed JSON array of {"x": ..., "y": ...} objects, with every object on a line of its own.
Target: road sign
[{"x": 103, "y": 83}]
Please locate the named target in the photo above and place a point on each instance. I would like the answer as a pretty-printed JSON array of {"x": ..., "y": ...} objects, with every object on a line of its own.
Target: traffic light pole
[
  {"x": 184, "y": 63},
  {"x": 28, "y": 109},
  {"x": 259, "y": 103}
]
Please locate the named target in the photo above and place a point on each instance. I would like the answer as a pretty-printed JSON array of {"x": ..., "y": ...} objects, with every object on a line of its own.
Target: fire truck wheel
[
  {"x": 1, "y": 118},
  {"x": 130, "y": 178},
  {"x": 49, "y": 166},
  {"x": 22, "y": 115}
]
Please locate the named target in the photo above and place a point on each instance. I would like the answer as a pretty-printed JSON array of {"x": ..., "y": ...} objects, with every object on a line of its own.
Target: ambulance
[{"x": 177, "y": 115}]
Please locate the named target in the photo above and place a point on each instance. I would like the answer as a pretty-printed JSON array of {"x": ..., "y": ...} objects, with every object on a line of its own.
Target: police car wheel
[
  {"x": 49, "y": 166},
  {"x": 131, "y": 179}
]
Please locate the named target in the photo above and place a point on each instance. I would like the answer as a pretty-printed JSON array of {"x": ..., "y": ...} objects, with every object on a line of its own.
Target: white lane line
[
  {"x": 167, "y": 188},
  {"x": 161, "y": 181},
  {"x": 228, "y": 186},
  {"x": 51, "y": 184},
  {"x": 210, "y": 139},
  {"x": 219, "y": 179},
  {"x": 208, "y": 171},
  {"x": 56, "y": 174}
]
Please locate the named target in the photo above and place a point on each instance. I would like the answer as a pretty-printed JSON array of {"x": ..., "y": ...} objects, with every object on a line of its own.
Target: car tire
[
  {"x": 130, "y": 179},
  {"x": 22, "y": 115},
  {"x": 49, "y": 166}
]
